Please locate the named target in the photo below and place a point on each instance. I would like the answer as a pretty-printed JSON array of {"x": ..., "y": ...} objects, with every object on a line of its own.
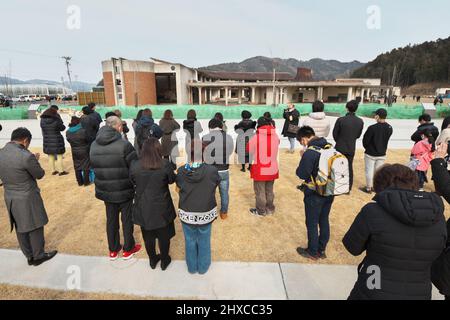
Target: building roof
[{"x": 246, "y": 76}]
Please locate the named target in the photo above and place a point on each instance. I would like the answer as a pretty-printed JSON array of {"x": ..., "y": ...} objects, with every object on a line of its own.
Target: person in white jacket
[{"x": 318, "y": 120}]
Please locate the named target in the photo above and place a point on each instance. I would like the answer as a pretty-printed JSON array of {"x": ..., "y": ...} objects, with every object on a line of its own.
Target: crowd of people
[{"x": 402, "y": 232}]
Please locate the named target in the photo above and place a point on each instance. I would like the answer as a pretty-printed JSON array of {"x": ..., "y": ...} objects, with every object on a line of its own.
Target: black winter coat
[
  {"x": 198, "y": 188},
  {"x": 220, "y": 147},
  {"x": 80, "y": 145},
  {"x": 346, "y": 131},
  {"x": 417, "y": 136},
  {"x": 91, "y": 123},
  {"x": 403, "y": 232},
  {"x": 295, "y": 120},
  {"x": 153, "y": 206},
  {"x": 245, "y": 129},
  {"x": 111, "y": 157},
  {"x": 52, "y": 125},
  {"x": 440, "y": 272},
  {"x": 193, "y": 127}
]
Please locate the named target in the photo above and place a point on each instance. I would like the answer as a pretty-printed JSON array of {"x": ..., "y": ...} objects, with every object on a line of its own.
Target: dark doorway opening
[{"x": 166, "y": 88}]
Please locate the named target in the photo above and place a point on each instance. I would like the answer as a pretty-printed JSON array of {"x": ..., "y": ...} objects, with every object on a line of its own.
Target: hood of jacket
[
  {"x": 424, "y": 126},
  {"x": 107, "y": 135},
  {"x": 319, "y": 142},
  {"x": 317, "y": 115},
  {"x": 146, "y": 122},
  {"x": 419, "y": 209},
  {"x": 194, "y": 175},
  {"x": 74, "y": 128},
  {"x": 48, "y": 115}
]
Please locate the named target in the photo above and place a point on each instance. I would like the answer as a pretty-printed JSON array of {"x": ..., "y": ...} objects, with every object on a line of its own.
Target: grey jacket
[{"x": 19, "y": 170}]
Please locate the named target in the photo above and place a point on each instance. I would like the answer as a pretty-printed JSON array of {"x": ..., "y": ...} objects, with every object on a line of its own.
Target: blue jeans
[
  {"x": 198, "y": 247},
  {"x": 317, "y": 211},
  {"x": 422, "y": 178},
  {"x": 224, "y": 187},
  {"x": 292, "y": 143}
]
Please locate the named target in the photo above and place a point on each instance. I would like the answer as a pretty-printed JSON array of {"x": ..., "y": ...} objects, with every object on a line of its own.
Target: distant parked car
[{"x": 25, "y": 98}]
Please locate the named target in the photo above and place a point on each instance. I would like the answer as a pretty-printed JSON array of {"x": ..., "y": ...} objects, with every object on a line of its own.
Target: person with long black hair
[{"x": 153, "y": 208}]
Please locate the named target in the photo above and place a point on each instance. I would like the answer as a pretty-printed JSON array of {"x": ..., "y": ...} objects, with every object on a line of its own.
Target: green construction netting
[
  {"x": 14, "y": 114},
  {"x": 397, "y": 111}
]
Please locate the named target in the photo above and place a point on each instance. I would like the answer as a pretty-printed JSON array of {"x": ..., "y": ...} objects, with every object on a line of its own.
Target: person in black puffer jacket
[
  {"x": 79, "y": 143},
  {"x": 440, "y": 272},
  {"x": 147, "y": 128},
  {"x": 111, "y": 157},
  {"x": 90, "y": 121},
  {"x": 153, "y": 208},
  {"x": 245, "y": 129},
  {"x": 192, "y": 128},
  {"x": 54, "y": 146},
  {"x": 402, "y": 232}
]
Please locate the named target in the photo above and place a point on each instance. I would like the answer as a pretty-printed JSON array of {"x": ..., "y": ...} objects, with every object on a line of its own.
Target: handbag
[{"x": 293, "y": 129}]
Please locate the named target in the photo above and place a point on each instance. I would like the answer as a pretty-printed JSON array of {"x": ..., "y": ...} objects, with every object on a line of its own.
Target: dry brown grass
[
  {"x": 77, "y": 219},
  {"x": 9, "y": 292}
]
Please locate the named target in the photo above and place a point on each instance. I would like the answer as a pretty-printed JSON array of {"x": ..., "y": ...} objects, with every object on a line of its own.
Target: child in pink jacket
[{"x": 424, "y": 152}]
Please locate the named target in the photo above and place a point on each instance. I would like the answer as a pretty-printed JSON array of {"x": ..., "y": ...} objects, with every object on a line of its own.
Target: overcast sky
[{"x": 204, "y": 32}]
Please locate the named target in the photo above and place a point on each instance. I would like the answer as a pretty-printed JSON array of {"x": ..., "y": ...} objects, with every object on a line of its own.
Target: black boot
[
  {"x": 47, "y": 256},
  {"x": 154, "y": 261},
  {"x": 243, "y": 168},
  {"x": 165, "y": 264}
]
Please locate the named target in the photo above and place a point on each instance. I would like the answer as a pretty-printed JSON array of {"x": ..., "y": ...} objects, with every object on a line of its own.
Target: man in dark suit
[
  {"x": 346, "y": 131},
  {"x": 19, "y": 170}
]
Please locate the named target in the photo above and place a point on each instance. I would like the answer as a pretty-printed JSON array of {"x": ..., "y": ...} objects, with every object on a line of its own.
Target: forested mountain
[
  {"x": 322, "y": 69},
  {"x": 426, "y": 62}
]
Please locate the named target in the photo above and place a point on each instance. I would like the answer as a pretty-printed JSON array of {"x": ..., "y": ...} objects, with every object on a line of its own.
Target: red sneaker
[
  {"x": 129, "y": 254},
  {"x": 113, "y": 255}
]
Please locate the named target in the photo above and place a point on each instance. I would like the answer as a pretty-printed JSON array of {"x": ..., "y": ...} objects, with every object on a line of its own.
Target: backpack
[
  {"x": 146, "y": 132},
  {"x": 333, "y": 177}
]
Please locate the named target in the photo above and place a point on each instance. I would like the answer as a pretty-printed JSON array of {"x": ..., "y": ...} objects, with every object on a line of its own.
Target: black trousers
[
  {"x": 114, "y": 213},
  {"x": 150, "y": 245},
  {"x": 32, "y": 243},
  {"x": 350, "y": 158},
  {"x": 82, "y": 177}
]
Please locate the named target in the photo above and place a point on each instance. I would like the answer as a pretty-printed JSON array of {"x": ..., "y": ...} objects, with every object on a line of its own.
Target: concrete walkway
[{"x": 225, "y": 280}]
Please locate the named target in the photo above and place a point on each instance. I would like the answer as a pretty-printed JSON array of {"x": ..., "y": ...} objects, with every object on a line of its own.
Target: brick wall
[
  {"x": 109, "y": 88},
  {"x": 145, "y": 87}
]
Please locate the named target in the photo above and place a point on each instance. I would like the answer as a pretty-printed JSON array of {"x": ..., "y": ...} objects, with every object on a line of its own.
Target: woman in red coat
[{"x": 263, "y": 148}]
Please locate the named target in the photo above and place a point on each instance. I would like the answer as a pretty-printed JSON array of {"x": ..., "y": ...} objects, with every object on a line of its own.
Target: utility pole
[{"x": 67, "y": 61}]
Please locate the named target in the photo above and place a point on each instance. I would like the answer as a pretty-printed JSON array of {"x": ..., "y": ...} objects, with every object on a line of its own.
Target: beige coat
[
  {"x": 319, "y": 122},
  {"x": 444, "y": 137}
]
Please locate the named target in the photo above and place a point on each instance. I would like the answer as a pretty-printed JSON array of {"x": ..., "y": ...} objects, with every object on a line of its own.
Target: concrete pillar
[
  {"x": 240, "y": 95},
  {"x": 350, "y": 94},
  {"x": 368, "y": 94},
  {"x": 200, "y": 95},
  {"x": 320, "y": 93},
  {"x": 253, "y": 99},
  {"x": 226, "y": 95},
  {"x": 362, "y": 95},
  {"x": 280, "y": 96}
]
